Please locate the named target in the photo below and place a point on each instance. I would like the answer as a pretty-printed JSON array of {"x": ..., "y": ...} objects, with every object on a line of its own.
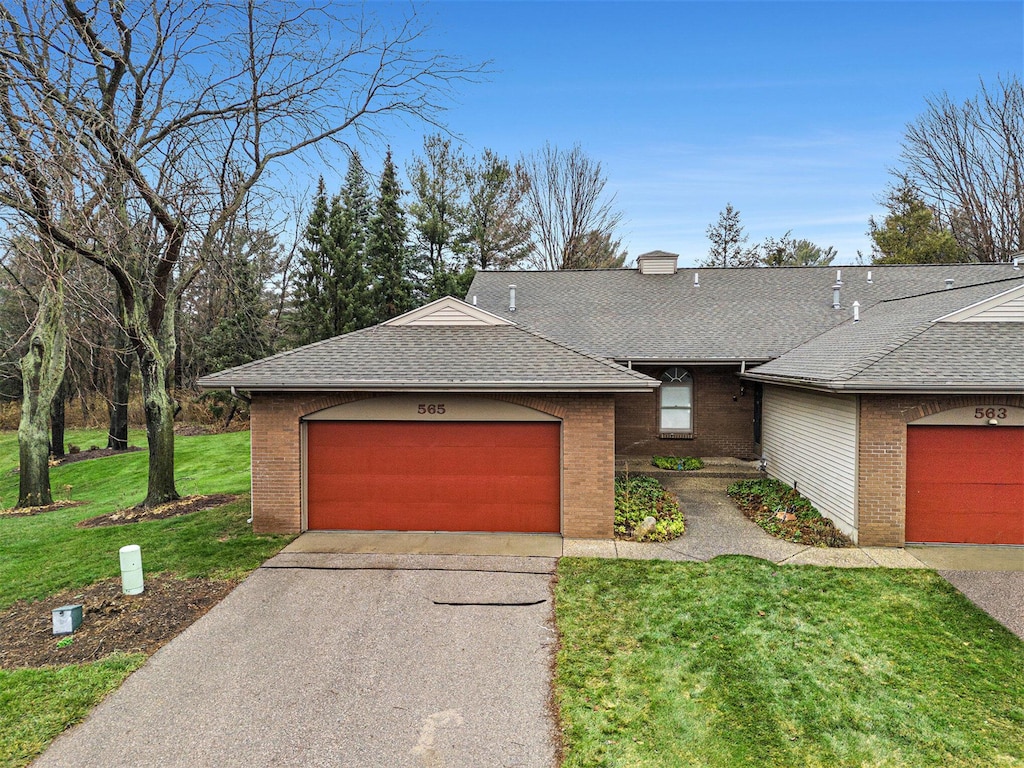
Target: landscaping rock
[{"x": 646, "y": 528}]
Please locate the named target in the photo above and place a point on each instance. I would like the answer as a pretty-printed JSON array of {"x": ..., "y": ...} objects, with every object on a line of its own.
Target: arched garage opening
[{"x": 432, "y": 462}]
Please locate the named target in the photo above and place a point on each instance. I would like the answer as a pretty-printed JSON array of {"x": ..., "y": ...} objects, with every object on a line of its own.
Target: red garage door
[
  {"x": 965, "y": 484},
  {"x": 433, "y": 476}
]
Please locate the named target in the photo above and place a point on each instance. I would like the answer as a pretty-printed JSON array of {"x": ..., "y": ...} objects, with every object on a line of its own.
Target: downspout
[{"x": 248, "y": 400}]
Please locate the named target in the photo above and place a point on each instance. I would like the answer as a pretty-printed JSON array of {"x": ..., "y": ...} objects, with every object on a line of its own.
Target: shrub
[
  {"x": 640, "y": 496},
  {"x": 764, "y": 499},
  {"x": 686, "y": 463}
]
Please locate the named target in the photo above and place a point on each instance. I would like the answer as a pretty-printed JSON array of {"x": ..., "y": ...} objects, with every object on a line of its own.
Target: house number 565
[{"x": 432, "y": 408}]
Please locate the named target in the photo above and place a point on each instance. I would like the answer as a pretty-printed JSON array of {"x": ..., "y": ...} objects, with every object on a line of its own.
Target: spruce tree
[
  {"x": 311, "y": 319},
  {"x": 349, "y": 225},
  {"x": 388, "y": 249}
]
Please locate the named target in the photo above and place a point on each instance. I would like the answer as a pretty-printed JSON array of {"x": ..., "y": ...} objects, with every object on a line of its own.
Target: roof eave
[
  {"x": 364, "y": 386},
  {"x": 868, "y": 388},
  {"x": 690, "y": 360}
]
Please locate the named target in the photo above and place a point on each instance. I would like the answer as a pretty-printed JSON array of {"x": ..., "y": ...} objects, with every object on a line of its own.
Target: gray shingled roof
[
  {"x": 898, "y": 346},
  {"x": 735, "y": 314},
  {"x": 435, "y": 357}
]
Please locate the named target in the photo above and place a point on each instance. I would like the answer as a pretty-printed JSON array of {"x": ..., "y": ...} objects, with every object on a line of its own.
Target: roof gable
[
  {"x": 1005, "y": 307},
  {"x": 448, "y": 311}
]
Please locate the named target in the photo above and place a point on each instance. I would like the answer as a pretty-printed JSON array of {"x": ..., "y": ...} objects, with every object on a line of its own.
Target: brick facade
[
  {"x": 588, "y": 457},
  {"x": 723, "y": 417},
  {"x": 882, "y": 457}
]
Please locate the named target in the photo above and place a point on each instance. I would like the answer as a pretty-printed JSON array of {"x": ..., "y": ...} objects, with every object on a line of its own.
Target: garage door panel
[
  {"x": 965, "y": 484},
  {"x": 519, "y": 490},
  {"x": 452, "y": 476}
]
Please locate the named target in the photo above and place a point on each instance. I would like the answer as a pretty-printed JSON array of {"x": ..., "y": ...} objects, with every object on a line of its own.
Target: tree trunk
[
  {"x": 156, "y": 355},
  {"x": 117, "y": 435},
  {"x": 57, "y": 422},
  {"x": 42, "y": 371}
]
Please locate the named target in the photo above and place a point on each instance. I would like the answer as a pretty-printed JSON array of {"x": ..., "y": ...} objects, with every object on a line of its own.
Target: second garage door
[
  {"x": 430, "y": 476},
  {"x": 965, "y": 484}
]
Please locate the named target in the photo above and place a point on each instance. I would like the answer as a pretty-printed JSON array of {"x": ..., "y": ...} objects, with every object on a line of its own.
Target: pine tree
[
  {"x": 729, "y": 242},
  {"x": 349, "y": 225},
  {"x": 438, "y": 214},
  {"x": 388, "y": 249},
  {"x": 910, "y": 234},
  {"x": 311, "y": 319},
  {"x": 333, "y": 284}
]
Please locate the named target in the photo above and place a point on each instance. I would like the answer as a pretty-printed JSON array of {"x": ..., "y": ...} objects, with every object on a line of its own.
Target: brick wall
[
  {"x": 722, "y": 426},
  {"x": 588, "y": 457},
  {"x": 882, "y": 457}
]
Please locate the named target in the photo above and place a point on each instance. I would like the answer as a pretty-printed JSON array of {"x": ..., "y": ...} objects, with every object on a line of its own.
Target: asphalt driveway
[{"x": 358, "y": 662}]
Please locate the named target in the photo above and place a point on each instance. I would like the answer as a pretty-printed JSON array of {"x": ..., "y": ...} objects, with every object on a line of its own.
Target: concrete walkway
[
  {"x": 990, "y": 577},
  {"x": 714, "y": 526}
]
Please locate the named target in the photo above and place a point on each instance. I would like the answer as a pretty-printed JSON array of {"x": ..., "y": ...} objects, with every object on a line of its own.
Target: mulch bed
[
  {"x": 29, "y": 511},
  {"x": 111, "y": 621},
  {"x": 139, "y": 513},
  {"x": 817, "y": 532},
  {"x": 92, "y": 453}
]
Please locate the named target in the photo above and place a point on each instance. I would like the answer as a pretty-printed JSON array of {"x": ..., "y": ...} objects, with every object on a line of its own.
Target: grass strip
[
  {"x": 37, "y": 705},
  {"x": 742, "y": 662}
]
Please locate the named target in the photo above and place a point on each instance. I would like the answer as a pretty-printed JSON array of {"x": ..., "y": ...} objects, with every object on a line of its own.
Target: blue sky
[{"x": 791, "y": 111}]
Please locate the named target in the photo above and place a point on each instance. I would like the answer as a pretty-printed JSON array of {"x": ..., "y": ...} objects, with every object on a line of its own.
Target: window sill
[{"x": 676, "y": 435}]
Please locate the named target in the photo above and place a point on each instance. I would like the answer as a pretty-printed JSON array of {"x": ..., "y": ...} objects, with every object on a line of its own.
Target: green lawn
[
  {"x": 46, "y": 553},
  {"x": 740, "y": 662}
]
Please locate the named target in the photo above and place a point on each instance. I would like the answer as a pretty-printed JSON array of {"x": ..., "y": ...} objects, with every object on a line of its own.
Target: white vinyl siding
[
  {"x": 1011, "y": 311},
  {"x": 811, "y": 439}
]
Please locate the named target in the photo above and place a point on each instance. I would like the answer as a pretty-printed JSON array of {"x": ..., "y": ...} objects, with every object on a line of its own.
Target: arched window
[{"x": 676, "y": 400}]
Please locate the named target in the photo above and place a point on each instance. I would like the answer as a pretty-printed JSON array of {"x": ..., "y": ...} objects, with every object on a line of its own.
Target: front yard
[
  {"x": 742, "y": 662},
  {"x": 46, "y": 556},
  {"x": 732, "y": 662}
]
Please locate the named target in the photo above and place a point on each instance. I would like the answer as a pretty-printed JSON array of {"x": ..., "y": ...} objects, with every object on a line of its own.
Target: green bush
[
  {"x": 686, "y": 463},
  {"x": 640, "y": 496},
  {"x": 762, "y": 500}
]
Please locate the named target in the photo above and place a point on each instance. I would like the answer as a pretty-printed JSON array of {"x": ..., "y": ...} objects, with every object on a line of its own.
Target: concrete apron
[
  {"x": 427, "y": 543},
  {"x": 969, "y": 557}
]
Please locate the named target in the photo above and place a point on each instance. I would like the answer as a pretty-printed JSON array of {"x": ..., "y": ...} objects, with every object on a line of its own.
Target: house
[{"x": 893, "y": 397}]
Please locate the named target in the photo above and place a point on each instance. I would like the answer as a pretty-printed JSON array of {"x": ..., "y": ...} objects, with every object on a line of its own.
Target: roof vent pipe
[
  {"x": 949, "y": 283},
  {"x": 856, "y": 311},
  {"x": 870, "y": 281},
  {"x": 1016, "y": 263},
  {"x": 511, "y": 298},
  {"x": 839, "y": 276},
  {"x": 474, "y": 299},
  {"x": 835, "y": 295},
  {"x": 696, "y": 280}
]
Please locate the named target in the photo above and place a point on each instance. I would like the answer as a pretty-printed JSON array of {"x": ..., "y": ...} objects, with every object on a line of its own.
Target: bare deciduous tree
[
  {"x": 568, "y": 211},
  {"x": 167, "y": 115},
  {"x": 967, "y": 161}
]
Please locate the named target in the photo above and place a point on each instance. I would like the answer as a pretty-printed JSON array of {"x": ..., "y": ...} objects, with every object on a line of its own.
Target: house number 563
[
  {"x": 432, "y": 408},
  {"x": 990, "y": 413}
]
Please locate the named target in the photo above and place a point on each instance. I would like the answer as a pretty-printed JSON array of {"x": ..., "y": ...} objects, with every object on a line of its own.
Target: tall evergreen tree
[
  {"x": 311, "y": 311},
  {"x": 910, "y": 233},
  {"x": 498, "y": 233},
  {"x": 333, "y": 289},
  {"x": 387, "y": 249},
  {"x": 729, "y": 242},
  {"x": 349, "y": 227},
  {"x": 438, "y": 215}
]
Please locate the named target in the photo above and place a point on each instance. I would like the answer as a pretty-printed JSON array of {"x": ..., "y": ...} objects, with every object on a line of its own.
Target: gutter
[
  {"x": 552, "y": 388},
  {"x": 881, "y": 389}
]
